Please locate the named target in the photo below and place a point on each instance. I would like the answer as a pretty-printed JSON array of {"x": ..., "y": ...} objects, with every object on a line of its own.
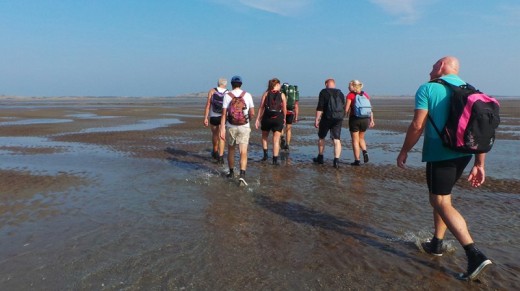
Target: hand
[
  {"x": 477, "y": 176},
  {"x": 295, "y": 120},
  {"x": 372, "y": 123},
  {"x": 257, "y": 122},
  {"x": 206, "y": 123},
  {"x": 317, "y": 123},
  {"x": 401, "y": 160}
]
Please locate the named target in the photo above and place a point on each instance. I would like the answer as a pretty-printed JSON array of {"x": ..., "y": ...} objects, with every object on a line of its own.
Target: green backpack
[{"x": 292, "y": 94}]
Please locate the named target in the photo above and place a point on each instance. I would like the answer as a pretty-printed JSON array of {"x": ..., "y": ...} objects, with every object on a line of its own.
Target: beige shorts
[{"x": 239, "y": 135}]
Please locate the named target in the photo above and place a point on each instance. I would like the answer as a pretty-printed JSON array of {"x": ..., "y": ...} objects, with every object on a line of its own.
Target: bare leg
[
  {"x": 446, "y": 216},
  {"x": 231, "y": 156},
  {"x": 265, "y": 136},
  {"x": 321, "y": 146},
  {"x": 221, "y": 146},
  {"x": 243, "y": 156},
  {"x": 355, "y": 144},
  {"x": 337, "y": 148},
  {"x": 276, "y": 143},
  {"x": 215, "y": 137},
  {"x": 362, "y": 142},
  {"x": 288, "y": 134}
]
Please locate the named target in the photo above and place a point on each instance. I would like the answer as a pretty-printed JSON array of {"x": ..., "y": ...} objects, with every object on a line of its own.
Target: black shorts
[
  {"x": 334, "y": 125},
  {"x": 215, "y": 121},
  {"x": 272, "y": 123},
  {"x": 441, "y": 176},
  {"x": 356, "y": 124},
  {"x": 289, "y": 118}
]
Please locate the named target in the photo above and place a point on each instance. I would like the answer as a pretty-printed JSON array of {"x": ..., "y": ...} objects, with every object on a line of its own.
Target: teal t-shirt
[{"x": 435, "y": 98}]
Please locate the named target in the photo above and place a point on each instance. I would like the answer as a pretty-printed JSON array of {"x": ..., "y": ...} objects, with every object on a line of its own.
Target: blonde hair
[{"x": 356, "y": 84}]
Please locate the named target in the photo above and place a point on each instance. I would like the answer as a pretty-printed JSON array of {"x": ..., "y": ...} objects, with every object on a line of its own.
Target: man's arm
[
  {"x": 296, "y": 111},
  {"x": 284, "y": 107},
  {"x": 413, "y": 134},
  {"x": 318, "y": 118},
  {"x": 223, "y": 124}
]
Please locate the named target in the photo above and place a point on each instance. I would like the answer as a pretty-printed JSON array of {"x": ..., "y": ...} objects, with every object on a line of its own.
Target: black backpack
[
  {"x": 273, "y": 104},
  {"x": 472, "y": 120},
  {"x": 336, "y": 105},
  {"x": 216, "y": 101}
]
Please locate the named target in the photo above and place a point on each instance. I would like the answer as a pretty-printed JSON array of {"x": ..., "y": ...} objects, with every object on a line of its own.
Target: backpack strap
[
  {"x": 231, "y": 94},
  {"x": 434, "y": 125}
]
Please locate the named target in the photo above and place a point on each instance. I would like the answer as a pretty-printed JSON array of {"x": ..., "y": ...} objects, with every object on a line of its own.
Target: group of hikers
[
  {"x": 235, "y": 109},
  {"x": 277, "y": 112},
  {"x": 445, "y": 162}
]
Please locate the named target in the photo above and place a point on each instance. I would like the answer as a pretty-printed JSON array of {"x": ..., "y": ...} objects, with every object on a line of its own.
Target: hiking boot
[
  {"x": 335, "y": 163},
  {"x": 477, "y": 261},
  {"x": 318, "y": 159},
  {"x": 231, "y": 174},
  {"x": 283, "y": 143},
  {"x": 265, "y": 155},
  {"x": 434, "y": 249},
  {"x": 275, "y": 161},
  {"x": 365, "y": 157},
  {"x": 356, "y": 163}
]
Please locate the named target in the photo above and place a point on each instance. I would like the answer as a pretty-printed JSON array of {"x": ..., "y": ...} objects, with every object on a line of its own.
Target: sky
[{"x": 170, "y": 48}]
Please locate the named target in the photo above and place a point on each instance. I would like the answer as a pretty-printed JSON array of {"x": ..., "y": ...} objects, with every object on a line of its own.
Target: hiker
[
  {"x": 237, "y": 110},
  {"x": 213, "y": 111},
  {"x": 360, "y": 119},
  {"x": 329, "y": 117},
  {"x": 292, "y": 96},
  {"x": 444, "y": 166},
  {"x": 272, "y": 113}
]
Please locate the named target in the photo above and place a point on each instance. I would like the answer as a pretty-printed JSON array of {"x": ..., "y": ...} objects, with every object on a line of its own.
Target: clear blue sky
[{"x": 167, "y": 48}]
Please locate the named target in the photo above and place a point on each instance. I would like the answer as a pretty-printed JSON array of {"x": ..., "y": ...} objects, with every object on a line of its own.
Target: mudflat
[{"x": 122, "y": 193}]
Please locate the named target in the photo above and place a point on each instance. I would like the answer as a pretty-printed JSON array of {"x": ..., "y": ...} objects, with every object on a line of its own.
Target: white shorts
[{"x": 239, "y": 135}]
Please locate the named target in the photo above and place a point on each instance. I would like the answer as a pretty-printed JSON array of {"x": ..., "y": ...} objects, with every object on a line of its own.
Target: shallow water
[
  {"x": 35, "y": 121},
  {"x": 176, "y": 223},
  {"x": 141, "y": 125}
]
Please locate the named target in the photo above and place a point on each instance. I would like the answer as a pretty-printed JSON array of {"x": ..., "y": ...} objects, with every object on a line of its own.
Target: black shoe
[
  {"x": 286, "y": 147},
  {"x": 476, "y": 264},
  {"x": 214, "y": 155},
  {"x": 365, "y": 157},
  {"x": 335, "y": 164},
  {"x": 282, "y": 143},
  {"x": 356, "y": 163},
  {"x": 264, "y": 159},
  {"x": 220, "y": 160},
  {"x": 318, "y": 159},
  {"x": 230, "y": 175},
  {"x": 432, "y": 249},
  {"x": 275, "y": 161}
]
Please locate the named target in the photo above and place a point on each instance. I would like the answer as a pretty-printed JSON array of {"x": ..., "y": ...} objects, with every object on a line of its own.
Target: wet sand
[{"x": 114, "y": 193}]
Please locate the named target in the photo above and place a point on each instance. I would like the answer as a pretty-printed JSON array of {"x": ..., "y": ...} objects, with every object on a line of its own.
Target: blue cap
[{"x": 236, "y": 79}]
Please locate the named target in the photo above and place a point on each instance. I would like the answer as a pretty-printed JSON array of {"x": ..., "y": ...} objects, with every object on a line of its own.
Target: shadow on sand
[{"x": 377, "y": 239}]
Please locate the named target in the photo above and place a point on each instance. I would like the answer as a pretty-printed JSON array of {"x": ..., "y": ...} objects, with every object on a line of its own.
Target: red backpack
[{"x": 235, "y": 110}]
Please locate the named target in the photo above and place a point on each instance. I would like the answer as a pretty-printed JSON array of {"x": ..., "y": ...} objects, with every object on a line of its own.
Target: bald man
[{"x": 443, "y": 166}]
